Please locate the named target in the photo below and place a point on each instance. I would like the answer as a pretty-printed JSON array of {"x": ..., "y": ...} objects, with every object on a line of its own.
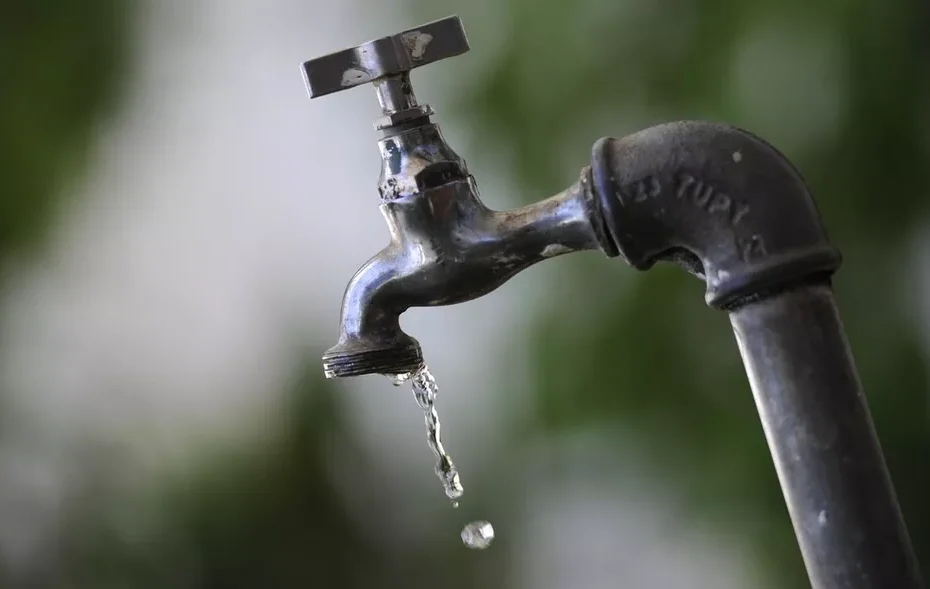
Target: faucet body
[
  {"x": 446, "y": 247},
  {"x": 716, "y": 200}
]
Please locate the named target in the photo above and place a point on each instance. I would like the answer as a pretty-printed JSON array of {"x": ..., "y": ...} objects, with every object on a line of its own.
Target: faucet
[
  {"x": 446, "y": 246},
  {"x": 717, "y": 201}
]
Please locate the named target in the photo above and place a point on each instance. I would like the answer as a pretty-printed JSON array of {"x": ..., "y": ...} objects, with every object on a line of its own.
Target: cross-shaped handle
[{"x": 393, "y": 55}]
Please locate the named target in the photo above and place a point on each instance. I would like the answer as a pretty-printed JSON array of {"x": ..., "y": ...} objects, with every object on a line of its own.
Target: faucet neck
[
  {"x": 395, "y": 93},
  {"x": 415, "y": 159},
  {"x": 399, "y": 106}
]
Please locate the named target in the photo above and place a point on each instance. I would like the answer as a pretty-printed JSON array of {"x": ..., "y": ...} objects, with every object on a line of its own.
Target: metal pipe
[
  {"x": 834, "y": 479},
  {"x": 732, "y": 210}
]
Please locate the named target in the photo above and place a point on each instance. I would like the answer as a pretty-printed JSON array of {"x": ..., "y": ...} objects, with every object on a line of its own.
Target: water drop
[
  {"x": 399, "y": 379},
  {"x": 478, "y": 535}
]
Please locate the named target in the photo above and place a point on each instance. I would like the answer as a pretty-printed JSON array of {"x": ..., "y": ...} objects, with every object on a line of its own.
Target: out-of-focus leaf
[
  {"x": 61, "y": 64},
  {"x": 271, "y": 516}
]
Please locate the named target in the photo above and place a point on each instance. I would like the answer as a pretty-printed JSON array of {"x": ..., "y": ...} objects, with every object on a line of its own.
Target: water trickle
[
  {"x": 478, "y": 535},
  {"x": 424, "y": 392}
]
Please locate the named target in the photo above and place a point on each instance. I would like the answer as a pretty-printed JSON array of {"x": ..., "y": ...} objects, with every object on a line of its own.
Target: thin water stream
[{"x": 478, "y": 534}]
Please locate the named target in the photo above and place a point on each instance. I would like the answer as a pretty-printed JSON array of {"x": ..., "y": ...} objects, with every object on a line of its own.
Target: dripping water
[
  {"x": 478, "y": 534},
  {"x": 424, "y": 392}
]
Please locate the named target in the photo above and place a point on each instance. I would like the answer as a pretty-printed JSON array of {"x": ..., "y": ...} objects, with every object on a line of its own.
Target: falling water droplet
[{"x": 478, "y": 535}]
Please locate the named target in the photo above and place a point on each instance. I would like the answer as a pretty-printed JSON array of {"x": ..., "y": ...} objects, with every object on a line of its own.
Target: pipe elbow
[
  {"x": 370, "y": 337},
  {"x": 719, "y": 201}
]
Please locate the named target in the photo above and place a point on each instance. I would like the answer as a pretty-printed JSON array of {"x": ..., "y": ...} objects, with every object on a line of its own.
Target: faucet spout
[{"x": 447, "y": 247}]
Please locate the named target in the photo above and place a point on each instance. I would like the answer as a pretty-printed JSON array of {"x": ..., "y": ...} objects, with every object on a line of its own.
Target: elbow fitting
[{"x": 720, "y": 202}]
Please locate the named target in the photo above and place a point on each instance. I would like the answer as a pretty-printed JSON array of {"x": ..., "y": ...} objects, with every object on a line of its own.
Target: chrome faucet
[
  {"x": 716, "y": 200},
  {"x": 446, "y": 246}
]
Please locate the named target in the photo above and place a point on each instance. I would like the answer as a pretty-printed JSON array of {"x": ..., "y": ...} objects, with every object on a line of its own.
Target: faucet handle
[{"x": 387, "y": 63}]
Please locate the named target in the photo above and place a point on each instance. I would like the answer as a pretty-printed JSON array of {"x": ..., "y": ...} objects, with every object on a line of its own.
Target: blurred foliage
[
  {"x": 272, "y": 513},
  {"x": 652, "y": 361},
  {"x": 61, "y": 63}
]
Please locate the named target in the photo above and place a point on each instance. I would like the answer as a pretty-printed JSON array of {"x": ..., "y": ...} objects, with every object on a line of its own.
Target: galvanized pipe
[{"x": 817, "y": 424}]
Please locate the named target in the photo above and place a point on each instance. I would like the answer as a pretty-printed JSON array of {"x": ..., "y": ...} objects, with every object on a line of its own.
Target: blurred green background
[{"x": 643, "y": 367}]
